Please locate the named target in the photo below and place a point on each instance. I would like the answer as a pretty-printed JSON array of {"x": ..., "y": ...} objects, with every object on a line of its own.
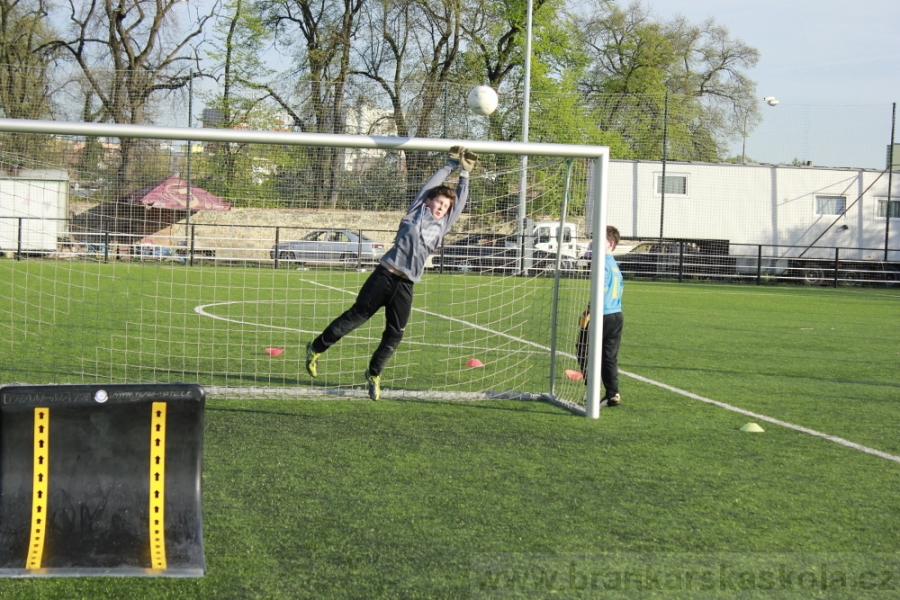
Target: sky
[{"x": 833, "y": 66}]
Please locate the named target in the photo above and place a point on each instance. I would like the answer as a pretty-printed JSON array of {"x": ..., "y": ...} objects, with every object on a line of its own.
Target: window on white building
[
  {"x": 675, "y": 184},
  {"x": 831, "y": 205},
  {"x": 882, "y": 208}
]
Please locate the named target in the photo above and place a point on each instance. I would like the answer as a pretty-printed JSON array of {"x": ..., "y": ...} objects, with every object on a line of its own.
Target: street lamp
[{"x": 771, "y": 101}]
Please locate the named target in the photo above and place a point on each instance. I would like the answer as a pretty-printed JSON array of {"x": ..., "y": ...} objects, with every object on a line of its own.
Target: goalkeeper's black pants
[
  {"x": 382, "y": 288},
  {"x": 609, "y": 360}
]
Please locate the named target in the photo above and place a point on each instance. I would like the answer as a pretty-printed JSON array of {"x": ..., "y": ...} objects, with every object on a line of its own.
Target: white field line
[
  {"x": 453, "y": 319},
  {"x": 202, "y": 311},
  {"x": 774, "y": 421},
  {"x": 687, "y": 394}
]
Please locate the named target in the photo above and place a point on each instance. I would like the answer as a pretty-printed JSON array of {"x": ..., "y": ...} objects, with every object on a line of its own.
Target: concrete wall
[{"x": 249, "y": 233}]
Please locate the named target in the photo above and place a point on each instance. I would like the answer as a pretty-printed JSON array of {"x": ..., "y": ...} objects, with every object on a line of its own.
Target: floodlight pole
[
  {"x": 890, "y": 166},
  {"x": 526, "y": 102},
  {"x": 744, "y": 139},
  {"x": 665, "y": 146},
  {"x": 187, "y": 216}
]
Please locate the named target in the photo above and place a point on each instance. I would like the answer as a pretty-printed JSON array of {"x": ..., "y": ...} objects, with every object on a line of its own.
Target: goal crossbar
[{"x": 338, "y": 140}]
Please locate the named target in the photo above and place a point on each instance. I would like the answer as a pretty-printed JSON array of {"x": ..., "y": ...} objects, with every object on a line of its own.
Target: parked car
[
  {"x": 331, "y": 246},
  {"x": 486, "y": 252},
  {"x": 585, "y": 262},
  {"x": 665, "y": 258},
  {"x": 150, "y": 251}
]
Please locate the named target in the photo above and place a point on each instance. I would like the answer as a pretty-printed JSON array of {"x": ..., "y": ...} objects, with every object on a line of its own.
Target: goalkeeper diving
[{"x": 432, "y": 213}]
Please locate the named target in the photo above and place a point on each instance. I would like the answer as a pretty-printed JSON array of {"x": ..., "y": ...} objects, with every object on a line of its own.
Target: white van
[{"x": 546, "y": 238}]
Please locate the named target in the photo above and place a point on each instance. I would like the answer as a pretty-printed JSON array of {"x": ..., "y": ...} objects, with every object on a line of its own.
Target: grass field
[
  {"x": 133, "y": 322},
  {"x": 661, "y": 497}
]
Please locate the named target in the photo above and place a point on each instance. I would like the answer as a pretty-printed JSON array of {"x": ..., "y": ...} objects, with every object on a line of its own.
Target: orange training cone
[{"x": 574, "y": 375}]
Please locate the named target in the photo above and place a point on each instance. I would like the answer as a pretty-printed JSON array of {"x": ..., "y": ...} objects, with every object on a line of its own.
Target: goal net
[{"x": 214, "y": 256}]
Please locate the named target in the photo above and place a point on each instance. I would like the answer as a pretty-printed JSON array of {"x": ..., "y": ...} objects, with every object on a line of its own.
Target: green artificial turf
[
  {"x": 313, "y": 498},
  {"x": 334, "y": 499}
]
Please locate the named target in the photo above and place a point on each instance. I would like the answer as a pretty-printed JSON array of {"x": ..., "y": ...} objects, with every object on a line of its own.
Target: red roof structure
[{"x": 172, "y": 194}]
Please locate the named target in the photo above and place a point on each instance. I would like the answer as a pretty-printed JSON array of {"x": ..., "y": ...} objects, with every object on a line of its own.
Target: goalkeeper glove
[
  {"x": 467, "y": 162},
  {"x": 463, "y": 159},
  {"x": 456, "y": 153}
]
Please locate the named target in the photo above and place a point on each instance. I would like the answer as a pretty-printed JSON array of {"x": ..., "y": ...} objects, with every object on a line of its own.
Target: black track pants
[{"x": 382, "y": 288}]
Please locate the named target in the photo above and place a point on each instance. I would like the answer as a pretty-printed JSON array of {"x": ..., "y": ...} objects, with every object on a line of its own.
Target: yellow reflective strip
[
  {"x": 39, "y": 493},
  {"x": 158, "y": 485}
]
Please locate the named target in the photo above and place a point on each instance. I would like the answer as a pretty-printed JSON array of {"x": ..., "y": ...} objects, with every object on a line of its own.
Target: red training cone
[
  {"x": 574, "y": 375},
  {"x": 474, "y": 363},
  {"x": 274, "y": 351}
]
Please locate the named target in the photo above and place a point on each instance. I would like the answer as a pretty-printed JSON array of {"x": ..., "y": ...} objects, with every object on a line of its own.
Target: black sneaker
[{"x": 613, "y": 401}]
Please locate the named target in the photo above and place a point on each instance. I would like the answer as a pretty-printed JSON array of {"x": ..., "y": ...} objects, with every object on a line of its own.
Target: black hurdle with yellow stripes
[{"x": 101, "y": 480}]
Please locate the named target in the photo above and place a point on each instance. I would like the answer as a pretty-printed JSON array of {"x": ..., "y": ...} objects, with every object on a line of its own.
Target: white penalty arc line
[
  {"x": 201, "y": 310},
  {"x": 453, "y": 319},
  {"x": 774, "y": 421}
]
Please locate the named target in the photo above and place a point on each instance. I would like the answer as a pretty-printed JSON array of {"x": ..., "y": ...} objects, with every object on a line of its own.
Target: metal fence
[{"x": 209, "y": 245}]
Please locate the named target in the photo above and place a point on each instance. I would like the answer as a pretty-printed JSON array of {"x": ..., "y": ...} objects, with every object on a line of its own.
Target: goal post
[
  {"x": 599, "y": 203},
  {"x": 498, "y": 305}
]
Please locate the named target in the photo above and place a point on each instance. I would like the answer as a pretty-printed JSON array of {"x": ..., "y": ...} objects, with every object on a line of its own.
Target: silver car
[{"x": 343, "y": 246}]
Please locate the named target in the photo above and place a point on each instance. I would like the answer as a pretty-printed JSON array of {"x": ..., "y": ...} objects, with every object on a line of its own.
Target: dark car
[
  {"x": 331, "y": 246},
  {"x": 486, "y": 252},
  {"x": 666, "y": 258}
]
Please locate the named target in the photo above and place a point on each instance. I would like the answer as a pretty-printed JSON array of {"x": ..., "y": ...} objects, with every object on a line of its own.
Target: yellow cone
[{"x": 752, "y": 428}]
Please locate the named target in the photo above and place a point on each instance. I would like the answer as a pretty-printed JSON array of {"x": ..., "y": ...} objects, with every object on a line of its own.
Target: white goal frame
[{"x": 597, "y": 187}]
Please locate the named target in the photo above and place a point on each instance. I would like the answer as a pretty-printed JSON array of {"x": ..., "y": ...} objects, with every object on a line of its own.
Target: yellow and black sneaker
[
  {"x": 612, "y": 401},
  {"x": 373, "y": 382},
  {"x": 312, "y": 358}
]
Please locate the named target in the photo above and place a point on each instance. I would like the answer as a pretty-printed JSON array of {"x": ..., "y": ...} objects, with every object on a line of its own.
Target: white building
[
  {"x": 795, "y": 207},
  {"x": 33, "y": 209}
]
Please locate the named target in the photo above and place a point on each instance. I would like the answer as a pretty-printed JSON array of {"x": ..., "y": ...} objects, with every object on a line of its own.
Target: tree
[
  {"x": 409, "y": 53},
  {"x": 129, "y": 52},
  {"x": 25, "y": 66},
  {"x": 326, "y": 30},
  {"x": 496, "y": 39},
  {"x": 240, "y": 40},
  {"x": 643, "y": 73},
  {"x": 25, "y": 59}
]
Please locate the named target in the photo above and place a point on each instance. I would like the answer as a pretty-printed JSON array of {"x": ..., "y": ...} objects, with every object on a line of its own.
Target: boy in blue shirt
[
  {"x": 433, "y": 211},
  {"x": 613, "y": 320}
]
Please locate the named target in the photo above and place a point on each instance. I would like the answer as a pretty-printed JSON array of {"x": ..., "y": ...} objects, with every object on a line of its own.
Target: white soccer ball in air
[{"x": 483, "y": 100}]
